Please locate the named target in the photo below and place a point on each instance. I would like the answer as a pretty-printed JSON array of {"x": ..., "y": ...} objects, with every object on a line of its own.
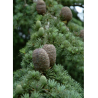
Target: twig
[{"x": 75, "y": 5}]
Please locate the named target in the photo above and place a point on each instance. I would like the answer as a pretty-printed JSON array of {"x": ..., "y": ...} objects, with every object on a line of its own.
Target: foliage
[
  {"x": 69, "y": 47},
  {"x": 25, "y": 16},
  {"x": 22, "y": 16},
  {"x": 69, "y": 50},
  {"x": 59, "y": 84}
]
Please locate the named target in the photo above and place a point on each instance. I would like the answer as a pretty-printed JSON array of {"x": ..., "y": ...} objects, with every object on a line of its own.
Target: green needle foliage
[
  {"x": 59, "y": 84},
  {"x": 60, "y": 81},
  {"x": 70, "y": 48}
]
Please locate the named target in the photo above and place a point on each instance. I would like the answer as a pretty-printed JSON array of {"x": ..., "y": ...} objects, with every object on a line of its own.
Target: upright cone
[
  {"x": 41, "y": 7},
  {"x": 40, "y": 59},
  {"x": 66, "y": 14},
  {"x": 51, "y": 51}
]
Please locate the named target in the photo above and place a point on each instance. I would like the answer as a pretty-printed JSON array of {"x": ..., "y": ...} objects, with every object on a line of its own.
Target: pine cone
[
  {"x": 43, "y": 80},
  {"x": 51, "y": 51},
  {"x": 66, "y": 14},
  {"x": 40, "y": 59},
  {"x": 19, "y": 89},
  {"x": 82, "y": 34},
  {"x": 41, "y": 7}
]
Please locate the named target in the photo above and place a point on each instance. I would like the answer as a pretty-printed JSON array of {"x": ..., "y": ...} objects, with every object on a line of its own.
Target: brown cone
[
  {"x": 66, "y": 14},
  {"x": 82, "y": 34},
  {"x": 40, "y": 59},
  {"x": 41, "y": 7},
  {"x": 51, "y": 51}
]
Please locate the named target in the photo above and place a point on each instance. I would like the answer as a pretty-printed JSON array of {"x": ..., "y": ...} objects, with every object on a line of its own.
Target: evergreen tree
[{"x": 47, "y": 27}]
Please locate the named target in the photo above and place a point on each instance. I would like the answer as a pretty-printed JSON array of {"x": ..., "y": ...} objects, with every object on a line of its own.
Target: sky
[{"x": 80, "y": 12}]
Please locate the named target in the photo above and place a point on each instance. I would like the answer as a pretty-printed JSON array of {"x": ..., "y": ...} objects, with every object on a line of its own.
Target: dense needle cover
[
  {"x": 53, "y": 83},
  {"x": 50, "y": 29}
]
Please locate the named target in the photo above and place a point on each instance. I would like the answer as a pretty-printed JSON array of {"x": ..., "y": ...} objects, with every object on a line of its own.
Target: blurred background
[{"x": 21, "y": 25}]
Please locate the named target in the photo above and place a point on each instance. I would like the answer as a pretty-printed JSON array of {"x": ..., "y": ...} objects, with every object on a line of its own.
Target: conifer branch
[{"x": 80, "y": 5}]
